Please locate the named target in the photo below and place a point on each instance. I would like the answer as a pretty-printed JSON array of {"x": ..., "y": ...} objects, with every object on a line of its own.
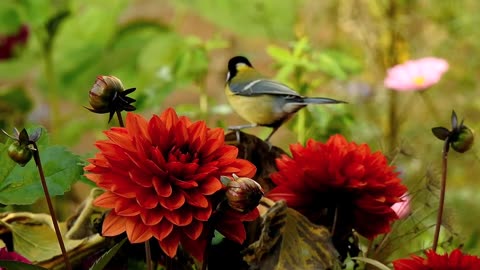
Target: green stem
[
  {"x": 203, "y": 101},
  {"x": 36, "y": 156},
  {"x": 148, "y": 253},
  {"x": 442, "y": 194},
  {"x": 51, "y": 89},
  {"x": 431, "y": 107},
  {"x": 393, "y": 121}
]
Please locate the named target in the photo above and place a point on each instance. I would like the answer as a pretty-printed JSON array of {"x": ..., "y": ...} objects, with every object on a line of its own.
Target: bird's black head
[{"x": 235, "y": 63}]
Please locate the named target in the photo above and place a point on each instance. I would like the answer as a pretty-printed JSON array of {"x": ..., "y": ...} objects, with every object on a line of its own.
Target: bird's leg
[
  {"x": 238, "y": 128},
  {"x": 267, "y": 140}
]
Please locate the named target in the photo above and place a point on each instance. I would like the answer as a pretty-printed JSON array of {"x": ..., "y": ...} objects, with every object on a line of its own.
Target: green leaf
[
  {"x": 10, "y": 18},
  {"x": 280, "y": 54},
  {"x": 20, "y": 265},
  {"x": 107, "y": 256},
  {"x": 35, "y": 238},
  {"x": 61, "y": 169}
]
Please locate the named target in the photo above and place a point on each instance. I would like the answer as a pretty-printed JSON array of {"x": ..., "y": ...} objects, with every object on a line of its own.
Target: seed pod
[
  {"x": 463, "y": 140},
  {"x": 243, "y": 194},
  {"x": 104, "y": 92},
  {"x": 19, "y": 153}
]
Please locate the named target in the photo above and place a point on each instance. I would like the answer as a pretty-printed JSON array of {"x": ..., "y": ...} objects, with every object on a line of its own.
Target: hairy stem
[
  {"x": 36, "y": 156},
  {"x": 442, "y": 194}
]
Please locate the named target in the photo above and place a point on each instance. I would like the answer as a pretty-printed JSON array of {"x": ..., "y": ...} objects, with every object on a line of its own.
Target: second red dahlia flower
[
  {"x": 339, "y": 178},
  {"x": 453, "y": 261},
  {"x": 161, "y": 179}
]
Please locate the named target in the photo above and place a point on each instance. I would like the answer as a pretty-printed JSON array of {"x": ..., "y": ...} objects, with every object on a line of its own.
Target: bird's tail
[{"x": 320, "y": 100}]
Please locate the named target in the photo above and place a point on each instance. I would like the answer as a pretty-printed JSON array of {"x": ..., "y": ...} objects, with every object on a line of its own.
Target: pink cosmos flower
[
  {"x": 402, "y": 208},
  {"x": 417, "y": 74}
]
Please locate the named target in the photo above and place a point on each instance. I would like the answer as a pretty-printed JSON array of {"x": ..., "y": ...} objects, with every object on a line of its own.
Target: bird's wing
[{"x": 262, "y": 87}]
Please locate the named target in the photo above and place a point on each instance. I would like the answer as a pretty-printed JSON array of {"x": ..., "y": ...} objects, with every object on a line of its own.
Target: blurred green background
[{"x": 175, "y": 54}]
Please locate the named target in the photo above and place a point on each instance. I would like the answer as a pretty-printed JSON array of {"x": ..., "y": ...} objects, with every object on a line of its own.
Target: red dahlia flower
[
  {"x": 339, "y": 177},
  {"x": 161, "y": 179},
  {"x": 455, "y": 261}
]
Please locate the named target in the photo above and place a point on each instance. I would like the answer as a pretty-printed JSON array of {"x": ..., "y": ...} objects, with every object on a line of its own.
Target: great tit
[{"x": 260, "y": 101}]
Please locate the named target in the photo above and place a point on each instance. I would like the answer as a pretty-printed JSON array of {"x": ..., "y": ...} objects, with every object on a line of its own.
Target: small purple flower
[{"x": 416, "y": 75}]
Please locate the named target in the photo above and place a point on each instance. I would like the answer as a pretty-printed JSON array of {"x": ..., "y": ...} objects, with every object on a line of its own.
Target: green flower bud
[
  {"x": 104, "y": 92},
  {"x": 243, "y": 194},
  {"x": 463, "y": 140},
  {"x": 20, "y": 153}
]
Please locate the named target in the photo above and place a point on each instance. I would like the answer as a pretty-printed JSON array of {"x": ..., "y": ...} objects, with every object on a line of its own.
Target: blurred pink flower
[
  {"x": 402, "y": 208},
  {"x": 11, "y": 256},
  {"x": 417, "y": 74}
]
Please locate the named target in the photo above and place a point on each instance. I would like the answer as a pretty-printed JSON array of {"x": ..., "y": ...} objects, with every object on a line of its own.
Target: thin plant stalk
[
  {"x": 36, "y": 156},
  {"x": 442, "y": 194},
  {"x": 148, "y": 253},
  {"x": 120, "y": 119}
]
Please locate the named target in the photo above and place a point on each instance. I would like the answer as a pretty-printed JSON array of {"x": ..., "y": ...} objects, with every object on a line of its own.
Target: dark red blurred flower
[
  {"x": 339, "y": 177},
  {"x": 161, "y": 179},
  {"x": 8, "y": 43},
  {"x": 455, "y": 261},
  {"x": 6, "y": 255}
]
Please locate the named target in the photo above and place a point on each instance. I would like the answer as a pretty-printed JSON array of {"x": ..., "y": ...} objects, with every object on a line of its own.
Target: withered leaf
[
  {"x": 288, "y": 240},
  {"x": 34, "y": 237}
]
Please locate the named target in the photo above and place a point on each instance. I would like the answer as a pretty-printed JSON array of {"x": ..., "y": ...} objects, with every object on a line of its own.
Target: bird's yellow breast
[{"x": 259, "y": 109}]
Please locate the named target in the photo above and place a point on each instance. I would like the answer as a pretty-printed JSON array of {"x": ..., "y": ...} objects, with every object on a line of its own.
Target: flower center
[{"x": 419, "y": 80}]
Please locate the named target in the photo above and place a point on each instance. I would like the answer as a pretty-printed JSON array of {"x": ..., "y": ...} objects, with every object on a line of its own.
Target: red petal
[
  {"x": 162, "y": 230},
  {"x": 202, "y": 214},
  {"x": 151, "y": 217},
  {"x": 234, "y": 231},
  {"x": 162, "y": 186},
  {"x": 210, "y": 185},
  {"x": 196, "y": 199},
  {"x": 181, "y": 134},
  {"x": 180, "y": 217},
  {"x": 175, "y": 201},
  {"x": 113, "y": 224},
  {"x": 183, "y": 184},
  {"x": 127, "y": 207},
  {"x": 121, "y": 138},
  {"x": 140, "y": 178},
  {"x": 194, "y": 230},
  {"x": 146, "y": 198},
  {"x": 158, "y": 158},
  {"x": 170, "y": 244},
  {"x": 169, "y": 117},
  {"x": 196, "y": 247},
  {"x": 198, "y": 134},
  {"x": 137, "y": 125},
  {"x": 137, "y": 232},
  {"x": 106, "y": 200}
]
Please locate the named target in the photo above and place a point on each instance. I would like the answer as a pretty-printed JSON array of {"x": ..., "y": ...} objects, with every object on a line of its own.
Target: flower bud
[
  {"x": 20, "y": 153},
  {"x": 463, "y": 140},
  {"x": 243, "y": 194},
  {"x": 104, "y": 92}
]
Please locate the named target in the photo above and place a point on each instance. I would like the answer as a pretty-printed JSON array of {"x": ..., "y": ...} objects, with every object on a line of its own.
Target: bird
[{"x": 261, "y": 101}]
